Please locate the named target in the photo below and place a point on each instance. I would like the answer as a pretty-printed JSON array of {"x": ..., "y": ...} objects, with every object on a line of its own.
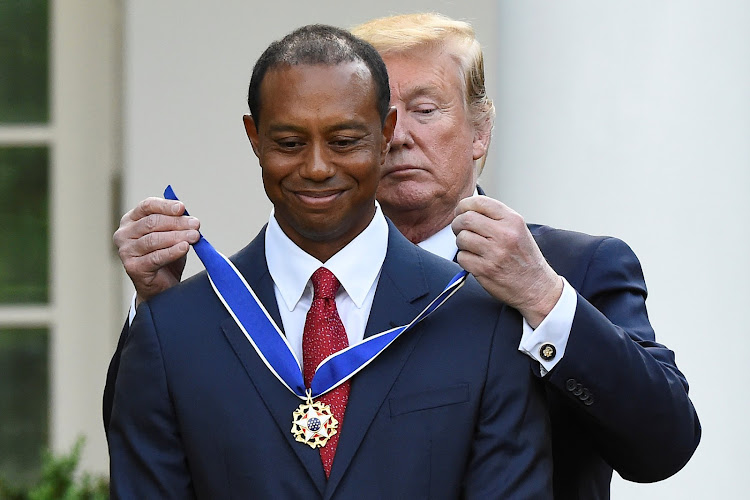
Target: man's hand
[
  {"x": 153, "y": 240},
  {"x": 497, "y": 248}
]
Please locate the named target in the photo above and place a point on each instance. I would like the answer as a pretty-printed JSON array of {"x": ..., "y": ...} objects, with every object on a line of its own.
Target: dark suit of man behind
[
  {"x": 450, "y": 409},
  {"x": 593, "y": 428}
]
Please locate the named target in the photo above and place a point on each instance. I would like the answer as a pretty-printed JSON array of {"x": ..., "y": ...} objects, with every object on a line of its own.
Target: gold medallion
[{"x": 313, "y": 423}]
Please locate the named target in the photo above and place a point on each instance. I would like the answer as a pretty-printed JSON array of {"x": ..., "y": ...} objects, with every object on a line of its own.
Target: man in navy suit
[
  {"x": 449, "y": 409},
  {"x": 617, "y": 399}
]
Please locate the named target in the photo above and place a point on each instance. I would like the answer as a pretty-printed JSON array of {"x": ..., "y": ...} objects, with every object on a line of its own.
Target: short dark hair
[{"x": 319, "y": 44}]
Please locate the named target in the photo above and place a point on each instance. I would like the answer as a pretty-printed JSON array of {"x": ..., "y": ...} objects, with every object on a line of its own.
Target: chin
[
  {"x": 403, "y": 198},
  {"x": 320, "y": 228}
]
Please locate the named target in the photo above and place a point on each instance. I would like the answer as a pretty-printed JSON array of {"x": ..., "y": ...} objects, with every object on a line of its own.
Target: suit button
[
  {"x": 586, "y": 394},
  {"x": 578, "y": 390},
  {"x": 547, "y": 352},
  {"x": 589, "y": 401},
  {"x": 570, "y": 384}
]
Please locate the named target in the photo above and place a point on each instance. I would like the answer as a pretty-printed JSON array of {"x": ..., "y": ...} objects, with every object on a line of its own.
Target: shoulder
[
  {"x": 183, "y": 309},
  {"x": 193, "y": 304},
  {"x": 250, "y": 261},
  {"x": 553, "y": 238},
  {"x": 191, "y": 290},
  {"x": 572, "y": 253},
  {"x": 556, "y": 240}
]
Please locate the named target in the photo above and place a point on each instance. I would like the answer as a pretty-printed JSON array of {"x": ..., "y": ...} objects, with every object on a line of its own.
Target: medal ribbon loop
[{"x": 271, "y": 344}]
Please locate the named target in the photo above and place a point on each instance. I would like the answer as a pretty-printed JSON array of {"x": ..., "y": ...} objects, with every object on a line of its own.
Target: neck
[
  {"x": 325, "y": 244},
  {"x": 323, "y": 251},
  {"x": 420, "y": 223},
  {"x": 416, "y": 225}
]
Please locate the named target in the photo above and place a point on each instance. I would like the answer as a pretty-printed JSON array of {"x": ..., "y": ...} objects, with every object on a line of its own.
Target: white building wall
[
  {"x": 630, "y": 119},
  {"x": 633, "y": 119}
]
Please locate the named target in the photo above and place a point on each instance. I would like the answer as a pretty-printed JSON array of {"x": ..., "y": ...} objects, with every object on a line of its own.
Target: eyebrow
[
  {"x": 285, "y": 128},
  {"x": 421, "y": 90},
  {"x": 346, "y": 125},
  {"x": 349, "y": 125}
]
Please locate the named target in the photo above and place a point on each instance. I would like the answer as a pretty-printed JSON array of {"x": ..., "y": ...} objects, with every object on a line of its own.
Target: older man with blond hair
[{"x": 616, "y": 397}]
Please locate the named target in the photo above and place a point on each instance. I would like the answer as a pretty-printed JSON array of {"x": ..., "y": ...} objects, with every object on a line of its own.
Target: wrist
[{"x": 550, "y": 294}]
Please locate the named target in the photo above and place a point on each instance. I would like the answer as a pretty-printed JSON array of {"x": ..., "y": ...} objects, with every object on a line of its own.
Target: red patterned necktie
[{"x": 324, "y": 335}]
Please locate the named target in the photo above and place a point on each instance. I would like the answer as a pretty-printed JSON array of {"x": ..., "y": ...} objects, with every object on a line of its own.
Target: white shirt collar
[
  {"x": 357, "y": 265},
  {"x": 443, "y": 243}
]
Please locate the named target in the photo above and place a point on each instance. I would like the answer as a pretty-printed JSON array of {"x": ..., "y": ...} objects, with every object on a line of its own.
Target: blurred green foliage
[
  {"x": 24, "y": 224},
  {"x": 24, "y": 401},
  {"x": 24, "y": 61},
  {"x": 59, "y": 481}
]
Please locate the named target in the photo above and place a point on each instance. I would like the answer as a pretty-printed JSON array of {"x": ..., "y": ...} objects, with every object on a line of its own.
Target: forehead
[
  {"x": 424, "y": 71},
  {"x": 318, "y": 92}
]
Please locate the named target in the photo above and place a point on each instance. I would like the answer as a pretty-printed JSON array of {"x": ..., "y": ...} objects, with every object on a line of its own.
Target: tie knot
[{"x": 325, "y": 284}]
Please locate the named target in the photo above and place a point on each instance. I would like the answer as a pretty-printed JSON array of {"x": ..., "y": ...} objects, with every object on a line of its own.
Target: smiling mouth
[{"x": 317, "y": 198}]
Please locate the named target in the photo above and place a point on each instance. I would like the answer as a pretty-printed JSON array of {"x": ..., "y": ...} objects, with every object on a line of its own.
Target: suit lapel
[
  {"x": 401, "y": 294},
  {"x": 280, "y": 402}
]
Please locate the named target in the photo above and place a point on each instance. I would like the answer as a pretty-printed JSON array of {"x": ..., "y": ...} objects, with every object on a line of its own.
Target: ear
[
  {"x": 252, "y": 132},
  {"x": 482, "y": 135},
  {"x": 388, "y": 127}
]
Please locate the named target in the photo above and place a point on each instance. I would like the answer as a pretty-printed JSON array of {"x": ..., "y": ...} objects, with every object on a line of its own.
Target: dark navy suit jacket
[
  {"x": 617, "y": 399},
  {"x": 449, "y": 410}
]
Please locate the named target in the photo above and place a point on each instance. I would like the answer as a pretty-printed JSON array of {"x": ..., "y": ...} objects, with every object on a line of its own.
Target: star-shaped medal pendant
[{"x": 313, "y": 423}]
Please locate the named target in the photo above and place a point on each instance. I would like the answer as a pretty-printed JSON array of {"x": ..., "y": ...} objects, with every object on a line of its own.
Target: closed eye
[
  {"x": 425, "y": 111},
  {"x": 425, "y": 107},
  {"x": 289, "y": 144},
  {"x": 344, "y": 142}
]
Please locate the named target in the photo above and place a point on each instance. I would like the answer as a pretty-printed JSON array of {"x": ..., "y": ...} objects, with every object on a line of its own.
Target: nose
[
  {"x": 317, "y": 166},
  {"x": 402, "y": 133}
]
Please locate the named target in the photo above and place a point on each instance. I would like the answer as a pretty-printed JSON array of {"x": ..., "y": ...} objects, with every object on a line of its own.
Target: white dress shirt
[{"x": 357, "y": 267}]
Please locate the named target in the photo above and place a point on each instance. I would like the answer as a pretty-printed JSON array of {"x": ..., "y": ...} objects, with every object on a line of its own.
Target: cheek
[
  {"x": 369, "y": 176},
  {"x": 443, "y": 138},
  {"x": 363, "y": 166},
  {"x": 269, "y": 186},
  {"x": 453, "y": 161},
  {"x": 273, "y": 180},
  {"x": 277, "y": 168}
]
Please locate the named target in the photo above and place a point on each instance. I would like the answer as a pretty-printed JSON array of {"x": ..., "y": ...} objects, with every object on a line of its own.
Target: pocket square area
[{"x": 426, "y": 400}]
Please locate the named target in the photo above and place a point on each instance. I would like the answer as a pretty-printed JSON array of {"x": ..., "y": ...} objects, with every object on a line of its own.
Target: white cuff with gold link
[{"x": 547, "y": 342}]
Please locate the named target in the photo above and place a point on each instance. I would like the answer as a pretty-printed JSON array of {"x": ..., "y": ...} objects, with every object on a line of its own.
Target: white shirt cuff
[
  {"x": 548, "y": 341},
  {"x": 131, "y": 313}
]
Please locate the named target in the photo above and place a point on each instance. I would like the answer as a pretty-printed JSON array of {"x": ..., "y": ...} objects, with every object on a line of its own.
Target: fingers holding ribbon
[
  {"x": 496, "y": 246},
  {"x": 152, "y": 241}
]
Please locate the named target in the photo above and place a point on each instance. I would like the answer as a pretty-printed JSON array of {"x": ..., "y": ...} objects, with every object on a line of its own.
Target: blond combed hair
[{"x": 407, "y": 32}]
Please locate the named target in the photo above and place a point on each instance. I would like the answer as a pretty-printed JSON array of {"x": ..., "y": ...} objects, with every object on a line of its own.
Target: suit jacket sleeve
[
  {"x": 147, "y": 459},
  {"x": 617, "y": 380}
]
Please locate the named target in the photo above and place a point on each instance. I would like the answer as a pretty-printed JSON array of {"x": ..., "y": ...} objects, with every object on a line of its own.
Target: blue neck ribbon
[{"x": 271, "y": 344}]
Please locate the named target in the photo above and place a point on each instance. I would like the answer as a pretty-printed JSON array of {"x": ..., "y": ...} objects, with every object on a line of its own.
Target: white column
[
  {"x": 84, "y": 284},
  {"x": 633, "y": 119}
]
